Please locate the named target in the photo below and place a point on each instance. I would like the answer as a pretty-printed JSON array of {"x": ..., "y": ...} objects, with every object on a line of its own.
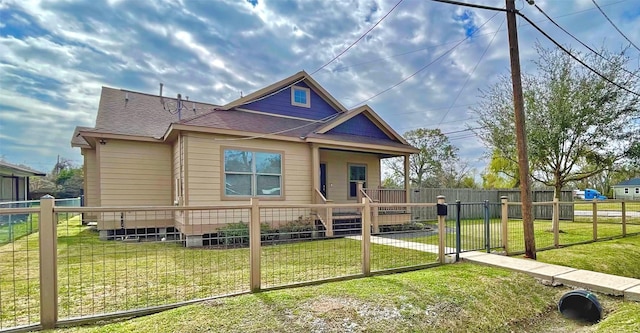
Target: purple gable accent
[
  {"x": 280, "y": 103},
  {"x": 359, "y": 125}
]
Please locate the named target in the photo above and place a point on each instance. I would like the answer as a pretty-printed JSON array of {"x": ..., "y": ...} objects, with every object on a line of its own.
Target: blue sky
[{"x": 55, "y": 56}]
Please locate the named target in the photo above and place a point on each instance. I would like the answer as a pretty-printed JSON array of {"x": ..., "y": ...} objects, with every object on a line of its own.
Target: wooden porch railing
[
  {"x": 388, "y": 195},
  {"x": 362, "y": 197},
  {"x": 324, "y": 214}
]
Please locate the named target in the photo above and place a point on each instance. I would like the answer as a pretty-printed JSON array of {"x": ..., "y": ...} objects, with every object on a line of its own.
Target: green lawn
[
  {"x": 20, "y": 226},
  {"x": 97, "y": 276},
  {"x": 473, "y": 233},
  {"x": 450, "y": 298},
  {"x": 618, "y": 256},
  {"x": 632, "y": 206}
]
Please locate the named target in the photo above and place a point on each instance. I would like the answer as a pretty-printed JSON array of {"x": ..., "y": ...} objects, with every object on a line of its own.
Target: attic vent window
[{"x": 300, "y": 96}]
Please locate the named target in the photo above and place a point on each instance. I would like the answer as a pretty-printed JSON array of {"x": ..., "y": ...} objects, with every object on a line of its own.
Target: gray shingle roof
[
  {"x": 134, "y": 113},
  {"x": 138, "y": 114},
  {"x": 254, "y": 123}
]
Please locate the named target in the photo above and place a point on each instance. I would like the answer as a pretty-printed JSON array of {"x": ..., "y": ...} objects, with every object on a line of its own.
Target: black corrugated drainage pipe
[{"x": 580, "y": 305}]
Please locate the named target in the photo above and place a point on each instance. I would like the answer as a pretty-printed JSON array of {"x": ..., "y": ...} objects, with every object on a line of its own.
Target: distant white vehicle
[{"x": 578, "y": 194}]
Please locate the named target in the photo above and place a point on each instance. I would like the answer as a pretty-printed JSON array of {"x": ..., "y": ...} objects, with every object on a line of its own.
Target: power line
[
  {"x": 357, "y": 40},
  {"x": 613, "y": 24},
  {"x": 578, "y": 40},
  {"x": 464, "y": 85},
  {"x": 574, "y": 57},
  {"x": 427, "y": 65}
]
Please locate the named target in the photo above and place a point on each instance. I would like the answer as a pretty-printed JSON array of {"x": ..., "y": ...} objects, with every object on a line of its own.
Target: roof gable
[
  {"x": 276, "y": 98},
  {"x": 360, "y": 125},
  {"x": 362, "y": 121},
  {"x": 280, "y": 103}
]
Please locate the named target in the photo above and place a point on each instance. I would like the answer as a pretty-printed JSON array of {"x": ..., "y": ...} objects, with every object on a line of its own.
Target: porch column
[
  {"x": 407, "y": 179},
  {"x": 315, "y": 171}
]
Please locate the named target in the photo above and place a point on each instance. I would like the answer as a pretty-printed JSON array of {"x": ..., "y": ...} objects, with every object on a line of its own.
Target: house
[
  {"x": 14, "y": 181},
  {"x": 627, "y": 190},
  {"x": 290, "y": 142}
]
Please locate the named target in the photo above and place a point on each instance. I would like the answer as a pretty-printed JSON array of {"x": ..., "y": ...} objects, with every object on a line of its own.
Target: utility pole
[{"x": 521, "y": 134}]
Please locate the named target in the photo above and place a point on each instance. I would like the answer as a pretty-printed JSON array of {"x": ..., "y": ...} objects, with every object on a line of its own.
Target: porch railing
[
  {"x": 388, "y": 195},
  {"x": 324, "y": 214}
]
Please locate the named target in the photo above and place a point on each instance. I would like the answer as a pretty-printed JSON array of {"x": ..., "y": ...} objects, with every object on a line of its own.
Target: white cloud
[{"x": 61, "y": 54}]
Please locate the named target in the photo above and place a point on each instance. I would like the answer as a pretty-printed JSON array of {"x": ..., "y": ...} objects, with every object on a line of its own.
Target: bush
[
  {"x": 301, "y": 227},
  {"x": 238, "y": 233}
]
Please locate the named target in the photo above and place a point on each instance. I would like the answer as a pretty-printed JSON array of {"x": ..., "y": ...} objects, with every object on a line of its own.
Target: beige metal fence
[{"x": 74, "y": 270}]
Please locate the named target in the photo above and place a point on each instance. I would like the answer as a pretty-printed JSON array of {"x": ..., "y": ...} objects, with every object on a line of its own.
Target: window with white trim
[
  {"x": 300, "y": 96},
  {"x": 252, "y": 173},
  {"x": 357, "y": 173}
]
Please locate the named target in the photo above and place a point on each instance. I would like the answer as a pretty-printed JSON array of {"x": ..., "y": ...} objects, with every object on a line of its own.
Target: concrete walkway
[
  {"x": 594, "y": 281},
  {"x": 555, "y": 274},
  {"x": 431, "y": 248}
]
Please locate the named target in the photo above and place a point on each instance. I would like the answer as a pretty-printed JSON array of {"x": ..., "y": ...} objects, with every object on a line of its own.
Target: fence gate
[{"x": 474, "y": 226}]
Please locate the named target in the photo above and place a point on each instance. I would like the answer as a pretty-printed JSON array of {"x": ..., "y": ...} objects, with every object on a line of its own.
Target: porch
[{"x": 342, "y": 222}]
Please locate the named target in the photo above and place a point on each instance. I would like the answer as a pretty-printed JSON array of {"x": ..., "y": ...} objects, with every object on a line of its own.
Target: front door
[{"x": 323, "y": 179}]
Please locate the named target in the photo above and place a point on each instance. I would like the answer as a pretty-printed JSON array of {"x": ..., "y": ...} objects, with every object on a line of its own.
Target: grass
[
  {"x": 618, "y": 256},
  {"x": 631, "y": 206},
  {"x": 434, "y": 300},
  {"x": 473, "y": 233},
  {"x": 22, "y": 225},
  {"x": 96, "y": 277},
  {"x": 439, "y": 299}
]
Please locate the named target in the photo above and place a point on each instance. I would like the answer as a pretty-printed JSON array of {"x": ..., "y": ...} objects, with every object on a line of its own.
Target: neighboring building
[
  {"x": 627, "y": 190},
  {"x": 290, "y": 142},
  {"x": 14, "y": 182}
]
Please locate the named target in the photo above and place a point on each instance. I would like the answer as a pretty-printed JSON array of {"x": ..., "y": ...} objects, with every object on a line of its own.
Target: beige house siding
[
  {"x": 178, "y": 184},
  {"x": 205, "y": 178},
  {"x": 338, "y": 173},
  {"x": 135, "y": 174},
  {"x": 91, "y": 191}
]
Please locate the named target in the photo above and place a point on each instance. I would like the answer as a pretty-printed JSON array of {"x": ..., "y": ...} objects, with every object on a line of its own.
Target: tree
[
  {"x": 578, "y": 124},
  {"x": 501, "y": 172},
  {"x": 64, "y": 181},
  {"x": 437, "y": 164}
]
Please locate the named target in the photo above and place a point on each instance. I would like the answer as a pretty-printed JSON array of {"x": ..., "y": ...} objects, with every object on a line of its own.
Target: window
[
  {"x": 626, "y": 191},
  {"x": 637, "y": 190},
  {"x": 357, "y": 173},
  {"x": 249, "y": 173},
  {"x": 300, "y": 96}
]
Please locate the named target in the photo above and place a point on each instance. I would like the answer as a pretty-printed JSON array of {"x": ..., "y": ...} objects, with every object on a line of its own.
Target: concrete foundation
[
  {"x": 104, "y": 235},
  {"x": 194, "y": 241}
]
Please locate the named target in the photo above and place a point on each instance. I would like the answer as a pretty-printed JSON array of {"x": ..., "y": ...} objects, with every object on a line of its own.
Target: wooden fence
[{"x": 467, "y": 195}]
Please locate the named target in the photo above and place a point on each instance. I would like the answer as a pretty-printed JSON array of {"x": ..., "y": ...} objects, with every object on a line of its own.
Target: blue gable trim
[
  {"x": 359, "y": 125},
  {"x": 280, "y": 103}
]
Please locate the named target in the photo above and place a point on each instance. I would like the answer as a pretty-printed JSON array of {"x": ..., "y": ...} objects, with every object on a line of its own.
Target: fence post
[
  {"x": 366, "y": 237},
  {"x": 48, "y": 263},
  {"x": 624, "y": 219},
  {"x": 374, "y": 219},
  {"x": 505, "y": 223},
  {"x": 458, "y": 230},
  {"x": 329, "y": 231},
  {"x": 441, "y": 230},
  {"x": 254, "y": 245},
  {"x": 595, "y": 219},
  {"x": 556, "y": 222},
  {"x": 487, "y": 227}
]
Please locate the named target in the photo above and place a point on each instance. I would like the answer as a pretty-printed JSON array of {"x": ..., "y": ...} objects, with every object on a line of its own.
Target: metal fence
[
  {"x": 593, "y": 221},
  {"x": 92, "y": 263},
  {"x": 135, "y": 260},
  {"x": 15, "y": 226}
]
